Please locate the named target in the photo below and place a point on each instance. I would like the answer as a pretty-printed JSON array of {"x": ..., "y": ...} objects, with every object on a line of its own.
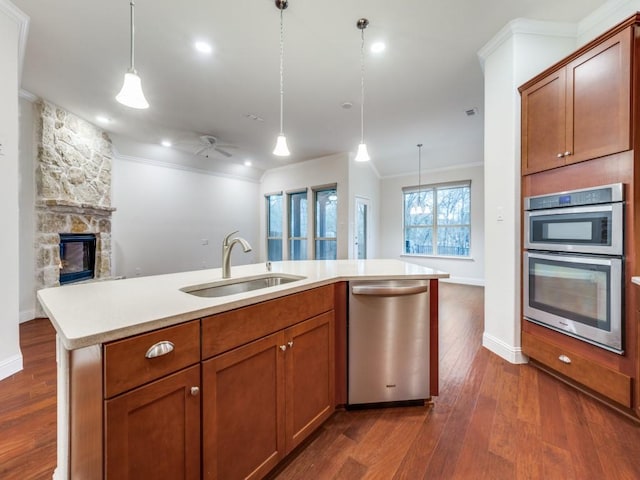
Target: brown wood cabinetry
[
  {"x": 581, "y": 109},
  {"x": 585, "y": 105},
  {"x": 262, "y": 399},
  {"x": 154, "y": 431}
]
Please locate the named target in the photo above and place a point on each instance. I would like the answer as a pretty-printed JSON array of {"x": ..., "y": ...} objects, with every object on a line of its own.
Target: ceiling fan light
[
  {"x": 281, "y": 149},
  {"x": 362, "y": 155},
  {"x": 131, "y": 93}
]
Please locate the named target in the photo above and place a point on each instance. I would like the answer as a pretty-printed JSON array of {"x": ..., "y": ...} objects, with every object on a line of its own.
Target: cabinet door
[
  {"x": 543, "y": 124},
  {"x": 599, "y": 100},
  {"x": 310, "y": 376},
  {"x": 243, "y": 410},
  {"x": 154, "y": 431}
]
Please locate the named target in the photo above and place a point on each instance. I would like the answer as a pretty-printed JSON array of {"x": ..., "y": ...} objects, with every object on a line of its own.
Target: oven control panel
[{"x": 589, "y": 196}]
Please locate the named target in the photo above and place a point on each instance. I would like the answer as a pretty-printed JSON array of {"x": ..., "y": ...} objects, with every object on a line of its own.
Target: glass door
[{"x": 360, "y": 239}]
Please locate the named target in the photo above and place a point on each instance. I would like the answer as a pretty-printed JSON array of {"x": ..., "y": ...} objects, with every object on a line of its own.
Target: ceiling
[{"x": 417, "y": 90}]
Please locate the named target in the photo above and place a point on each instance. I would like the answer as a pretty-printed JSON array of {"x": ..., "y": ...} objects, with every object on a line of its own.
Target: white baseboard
[
  {"x": 26, "y": 315},
  {"x": 10, "y": 365},
  {"x": 510, "y": 353},
  {"x": 479, "y": 282}
]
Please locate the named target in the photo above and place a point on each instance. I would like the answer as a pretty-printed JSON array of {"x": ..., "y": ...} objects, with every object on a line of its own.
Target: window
[
  {"x": 274, "y": 227},
  {"x": 326, "y": 224},
  {"x": 298, "y": 226},
  {"x": 437, "y": 219}
]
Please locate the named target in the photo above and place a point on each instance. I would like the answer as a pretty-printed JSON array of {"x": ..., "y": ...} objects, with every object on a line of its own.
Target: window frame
[
  {"x": 267, "y": 198},
  {"x": 434, "y": 187},
  {"x": 303, "y": 193},
  {"x": 316, "y": 238}
]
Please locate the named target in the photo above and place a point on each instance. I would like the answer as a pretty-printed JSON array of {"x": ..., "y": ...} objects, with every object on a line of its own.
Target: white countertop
[
  {"x": 635, "y": 280},
  {"x": 92, "y": 313}
]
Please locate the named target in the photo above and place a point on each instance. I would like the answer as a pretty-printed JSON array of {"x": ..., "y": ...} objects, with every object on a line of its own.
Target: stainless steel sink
[{"x": 240, "y": 285}]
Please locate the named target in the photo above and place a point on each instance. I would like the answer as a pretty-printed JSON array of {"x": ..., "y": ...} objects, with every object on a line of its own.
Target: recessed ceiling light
[
  {"x": 378, "y": 47},
  {"x": 166, "y": 143},
  {"x": 203, "y": 47},
  {"x": 103, "y": 119},
  {"x": 247, "y": 163}
]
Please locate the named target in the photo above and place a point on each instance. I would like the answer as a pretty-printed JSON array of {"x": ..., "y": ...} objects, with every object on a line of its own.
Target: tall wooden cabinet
[
  {"x": 578, "y": 131},
  {"x": 581, "y": 110}
]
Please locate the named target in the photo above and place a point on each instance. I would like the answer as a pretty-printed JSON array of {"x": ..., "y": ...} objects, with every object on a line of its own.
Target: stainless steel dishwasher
[{"x": 388, "y": 334}]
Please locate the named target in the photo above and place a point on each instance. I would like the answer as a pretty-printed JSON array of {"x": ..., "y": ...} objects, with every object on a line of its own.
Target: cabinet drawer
[
  {"x": 611, "y": 384},
  {"x": 126, "y": 364},
  {"x": 228, "y": 330}
]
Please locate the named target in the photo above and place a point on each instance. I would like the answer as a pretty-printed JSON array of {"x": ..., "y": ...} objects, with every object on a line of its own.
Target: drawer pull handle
[
  {"x": 195, "y": 391},
  {"x": 159, "y": 349},
  {"x": 564, "y": 359}
]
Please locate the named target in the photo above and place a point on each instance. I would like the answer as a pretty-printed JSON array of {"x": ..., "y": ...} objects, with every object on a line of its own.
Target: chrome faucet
[{"x": 227, "y": 245}]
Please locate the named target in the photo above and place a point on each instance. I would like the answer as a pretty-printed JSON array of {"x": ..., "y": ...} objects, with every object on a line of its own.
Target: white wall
[
  {"x": 27, "y": 220},
  {"x": 470, "y": 271},
  {"x": 164, "y": 214},
  {"x": 333, "y": 169},
  {"x": 10, "y": 355}
]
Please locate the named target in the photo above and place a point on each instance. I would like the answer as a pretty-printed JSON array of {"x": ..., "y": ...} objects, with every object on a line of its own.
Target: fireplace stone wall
[{"x": 73, "y": 189}]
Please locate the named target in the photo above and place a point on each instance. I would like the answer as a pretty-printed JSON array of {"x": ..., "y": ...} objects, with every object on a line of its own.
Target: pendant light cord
[
  {"x": 132, "y": 69},
  {"x": 281, "y": 71},
  {"x": 419, "y": 171},
  {"x": 362, "y": 87}
]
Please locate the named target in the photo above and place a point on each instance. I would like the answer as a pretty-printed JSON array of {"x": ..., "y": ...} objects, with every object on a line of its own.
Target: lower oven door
[{"x": 577, "y": 295}]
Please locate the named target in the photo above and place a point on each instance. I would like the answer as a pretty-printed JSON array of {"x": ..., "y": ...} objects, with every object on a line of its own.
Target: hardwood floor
[
  {"x": 28, "y": 408},
  {"x": 492, "y": 420}
]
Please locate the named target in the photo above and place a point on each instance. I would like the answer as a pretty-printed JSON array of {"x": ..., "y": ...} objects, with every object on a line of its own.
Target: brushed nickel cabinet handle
[
  {"x": 283, "y": 347},
  {"x": 159, "y": 349},
  {"x": 560, "y": 155},
  {"x": 290, "y": 344},
  {"x": 195, "y": 391},
  {"x": 566, "y": 154},
  {"x": 564, "y": 359}
]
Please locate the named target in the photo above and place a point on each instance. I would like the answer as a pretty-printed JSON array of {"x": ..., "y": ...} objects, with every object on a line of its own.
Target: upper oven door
[{"x": 590, "y": 229}]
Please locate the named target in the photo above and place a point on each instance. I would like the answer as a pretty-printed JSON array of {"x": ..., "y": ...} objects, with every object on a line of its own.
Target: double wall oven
[{"x": 573, "y": 264}]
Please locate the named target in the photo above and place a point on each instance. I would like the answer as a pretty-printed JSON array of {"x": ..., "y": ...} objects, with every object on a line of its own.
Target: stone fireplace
[{"x": 73, "y": 190}]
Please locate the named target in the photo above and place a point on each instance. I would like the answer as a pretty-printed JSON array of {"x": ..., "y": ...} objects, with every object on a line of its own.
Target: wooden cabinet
[
  {"x": 580, "y": 110},
  {"x": 154, "y": 430},
  {"x": 262, "y": 399}
]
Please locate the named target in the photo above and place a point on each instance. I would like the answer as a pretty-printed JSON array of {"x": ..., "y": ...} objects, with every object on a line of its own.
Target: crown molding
[
  {"x": 27, "y": 95},
  {"x": 22, "y": 20},
  {"x": 524, "y": 26},
  {"x": 612, "y": 12}
]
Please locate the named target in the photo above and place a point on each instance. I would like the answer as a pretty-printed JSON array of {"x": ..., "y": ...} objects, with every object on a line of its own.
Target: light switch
[{"x": 500, "y": 215}]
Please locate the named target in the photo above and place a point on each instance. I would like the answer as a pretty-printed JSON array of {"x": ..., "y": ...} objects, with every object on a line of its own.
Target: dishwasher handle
[{"x": 388, "y": 290}]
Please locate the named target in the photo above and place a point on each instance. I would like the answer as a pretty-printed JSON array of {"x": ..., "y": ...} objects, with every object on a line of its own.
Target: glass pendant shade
[
  {"x": 281, "y": 149},
  {"x": 363, "y": 154},
  {"x": 131, "y": 93}
]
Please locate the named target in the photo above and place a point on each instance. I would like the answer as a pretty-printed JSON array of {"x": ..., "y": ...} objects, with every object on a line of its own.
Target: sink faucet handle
[{"x": 228, "y": 237}]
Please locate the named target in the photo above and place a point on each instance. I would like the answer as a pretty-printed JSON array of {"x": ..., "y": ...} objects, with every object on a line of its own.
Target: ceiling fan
[{"x": 208, "y": 144}]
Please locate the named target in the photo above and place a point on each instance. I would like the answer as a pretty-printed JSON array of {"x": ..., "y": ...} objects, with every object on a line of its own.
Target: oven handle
[
  {"x": 608, "y": 207},
  {"x": 578, "y": 259}
]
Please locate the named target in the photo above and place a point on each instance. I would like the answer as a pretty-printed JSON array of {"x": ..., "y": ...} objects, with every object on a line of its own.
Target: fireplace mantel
[{"x": 67, "y": 206}]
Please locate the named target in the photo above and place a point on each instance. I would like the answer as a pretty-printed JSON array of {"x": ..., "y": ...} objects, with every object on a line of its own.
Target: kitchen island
[{"x": 102, "y": 377}]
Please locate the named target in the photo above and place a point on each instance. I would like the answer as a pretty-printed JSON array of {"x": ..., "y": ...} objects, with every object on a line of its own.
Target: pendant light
[
  {"x": 419, "y": 210},
  {"x": 281, "y": 149},
  {"x": 362, "y": 155},
  {"x": 131, "y": 93}
]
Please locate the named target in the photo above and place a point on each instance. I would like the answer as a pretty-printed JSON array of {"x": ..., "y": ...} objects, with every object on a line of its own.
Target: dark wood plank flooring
[{"x": 492, "y": 420}]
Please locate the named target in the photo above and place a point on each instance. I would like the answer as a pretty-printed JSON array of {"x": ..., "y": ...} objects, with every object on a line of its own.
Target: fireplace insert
[{"x": 77, "y": 257}]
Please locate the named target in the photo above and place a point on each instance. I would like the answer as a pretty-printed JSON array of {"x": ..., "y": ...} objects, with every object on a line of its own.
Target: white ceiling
[{"x": 417, "y": 91}]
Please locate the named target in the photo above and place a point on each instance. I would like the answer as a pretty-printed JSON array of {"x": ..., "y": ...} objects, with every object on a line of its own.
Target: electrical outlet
[{"x": 205, "y": 241}]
